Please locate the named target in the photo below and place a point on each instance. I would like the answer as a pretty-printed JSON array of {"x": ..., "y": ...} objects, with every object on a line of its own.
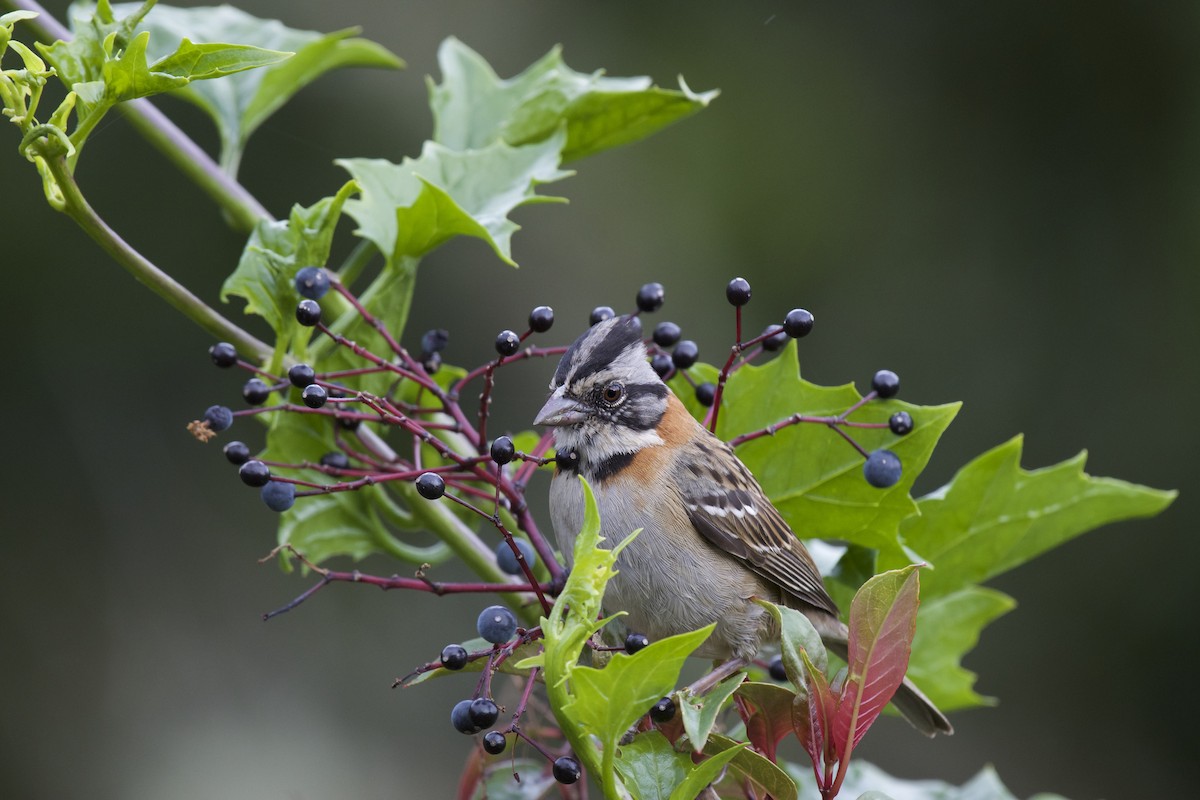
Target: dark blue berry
[
  {"x": 507, "y": 343},
  {"x": 430, "y": 486},
  {"x": 279, "y": 496},
  {"x": 566, "y": 460},
  {"x": 775, "y": 341},
  {"x": 454, "y": 656},
  {"x": 255, "y": 392},
  {"x": 685, "y": 354},
  {"x": 566, "y": 770},
  {"x": 460, "y": 718},
  {"x": 600, "y": 313},
  {"x": 507, "y": 561},
  {"x": 432, "y": 363},
  {"x": 662, "y": 365},
  {"x": 541, "y": 319},
  {"x": 219, "y": 418},
  {"x": 314, "y": 396},
  {"x": 312, "y": 282},
  {"x": 650, "y": 297},
  {"x": 348, "y": 423},
  {"x": 335, "y": 459},
  {"x": 666, "y": 334},
  {"x": 738, "y": 292},
  {"x": 503, "y": 450},
  {"x": 254, "y": 473},
  {"x": 798, "y": 323},
  {"x": 635, "y": 642},
  {"x": 882, "y": 469},
  {"x": 308, "y": 313},
  {"x": 237, "y": 453},
  {"x": 484, "y": 712},
  {"x": 663, "y": 710},
  {"x": 900, "y": 423},
  {"x": 434, "y": 341},
  {"x": 223, "y": 354},
  {"x": 885, "y": 383},
  {"x": 494, "y": 742},
  {"x": 301, "y": 375},
  {"x": 706, "y": 393},
  {"x": 777, "y": 670},
  {"x": 496, "y": 624}
]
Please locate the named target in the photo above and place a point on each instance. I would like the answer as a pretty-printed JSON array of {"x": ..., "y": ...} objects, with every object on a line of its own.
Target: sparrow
[{"x": 710, "y": 543}]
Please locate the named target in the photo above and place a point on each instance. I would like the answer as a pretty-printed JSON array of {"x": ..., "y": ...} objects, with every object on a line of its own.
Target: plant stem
[
  {"x": 159, "y": 282},
  {"x": 241, "y": 207}
]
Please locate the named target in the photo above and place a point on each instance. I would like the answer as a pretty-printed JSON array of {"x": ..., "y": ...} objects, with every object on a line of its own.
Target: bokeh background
[{"x": 998, "y": 201}]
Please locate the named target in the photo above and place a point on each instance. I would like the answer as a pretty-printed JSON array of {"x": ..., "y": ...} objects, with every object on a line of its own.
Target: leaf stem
[{"x": 145, "y": 271}]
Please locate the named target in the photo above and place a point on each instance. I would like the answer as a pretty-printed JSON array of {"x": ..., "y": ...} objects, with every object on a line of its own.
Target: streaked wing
[{"x": 736, "y": 516}]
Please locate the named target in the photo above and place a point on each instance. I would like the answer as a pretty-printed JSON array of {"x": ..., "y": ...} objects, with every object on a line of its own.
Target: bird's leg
[{"x": 722, "y": 671}]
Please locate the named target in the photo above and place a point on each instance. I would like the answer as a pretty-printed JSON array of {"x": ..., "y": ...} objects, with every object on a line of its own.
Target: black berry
[
  {"x": 335, "y": 459},
  {"x": 650, "y": 297},
  {"x": 496, "y": 624},
  {"x": 666, "y": 334},
  {"x": 308, "y": 312},
  {"x": 738, "y": 292},
  {"x": 776, "y": 669},
  {"x": 494, "y": 742},
  {"x": 882, "y": 469},
  {"x": 566, "y": 770},
  {"x": 434, "y": 341},
  {"x": 776, "y": 341},
  {"x": 706, "y": 393},
  {"x": 312, "y": 282},
  {"x": 600, "y": 313},
  {"x": 223, "y": 354},
  {"x": 301, "y": 375},
  {"x": 635, "y": 642},
  {"x": 254, "y": 473},
  {"x": 255, "y": 391},
  {"x": 900, "y": 423},
  {"x": 886, "y": 383},
  {"x": 503, "y": 450},
  {"x": 685, "y": 354},
  {"x": 430, "y": 486},
  {"x": 484, "y": 712},
  {"x": 314, "y": 396},
  {"x": 432, "y": 363},
  {"x": 279, "y": 496},
  {"x": 508, "y": 562},
  {"x": 663, "y": 710},
  {"x": 541, "y": 319},
  {"x": 566, "y": 460},
  {"x": 237, "y": 453},
  {"x": 507, "y": 343},
  {"x": 454, "y": 656},
  {"x": 219, "y": 418},
  {"x": 348, "y": 423},
  {"x": 662, "y": 365},
  {"x": 460, "y": 718},
  {"x": 797, "y": 323}
]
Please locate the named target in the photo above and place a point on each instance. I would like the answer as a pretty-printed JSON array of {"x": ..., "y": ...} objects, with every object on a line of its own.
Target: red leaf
[
  {"x": 767, "y": 711},
  {"x": 883, "y": 619}
]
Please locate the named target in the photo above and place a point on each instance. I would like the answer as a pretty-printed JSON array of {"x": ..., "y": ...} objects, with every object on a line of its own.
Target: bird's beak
[{"x": 560, "y": 411}]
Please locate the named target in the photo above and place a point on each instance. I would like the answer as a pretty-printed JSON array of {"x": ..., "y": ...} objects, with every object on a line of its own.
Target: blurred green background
[{"x": 997, "y": 201}]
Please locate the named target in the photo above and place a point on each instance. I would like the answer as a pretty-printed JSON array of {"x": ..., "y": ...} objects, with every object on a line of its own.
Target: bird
[{"x": 711, "y": 542}]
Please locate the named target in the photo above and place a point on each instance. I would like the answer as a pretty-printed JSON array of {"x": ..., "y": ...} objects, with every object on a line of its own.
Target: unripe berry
[
  {"x": 223, "y": 354},
  {"x": 301, "y": 375},
  {"x": 507, "y": 343},
  {"x": 255, "y": 391},
  {"x": 650, "y": 297},
  {"x": 219, "y": 418},
  {"x": 279, "y": 496},
  {"x": 312, "y": 282},
  {"x": 237, "y": 453},
  {"x": 308, "y": 312},
  {"x": 601, "y": 313},
  {"x": 886, "y": 384},
  {"x": 738, "y": 292},
  {"x": 685, "y": 354},
  {"x": 430, "y": 485},
  {"x": 798, "y": 323},
  {"x": 541, "y": 319},
  {"x": 254, "y": 473}
]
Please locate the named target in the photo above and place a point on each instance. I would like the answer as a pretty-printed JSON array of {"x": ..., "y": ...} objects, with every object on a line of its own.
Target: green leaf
[
  {"x": 812, "y": 476},
  {"x": 883, "y": 620},
  {"x": 473, "y": 108},
  {"x": 700, "y": 713},
  {"x": 705, "y": 773},
  {"x": 408, "y": 209},
  {"x": 797, "y": 636},
  {"x": 240, "y": 105},
  {"x": 994, "y": 516},
  {"x": 536, "y": 782},
  {"x": 650, "y": 767},
  {"x": 509, "y": 666},
  {"x": 948, "y": 628},
  {"x": 768, "y": 777}
]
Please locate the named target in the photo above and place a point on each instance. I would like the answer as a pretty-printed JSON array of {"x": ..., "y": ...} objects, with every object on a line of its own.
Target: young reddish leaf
[
  {"x": 767, "y": 711},
  {"x": 812, "y": 718},
  {"x": 472, "y": 775},
  {"x": 883, "y": 619}
]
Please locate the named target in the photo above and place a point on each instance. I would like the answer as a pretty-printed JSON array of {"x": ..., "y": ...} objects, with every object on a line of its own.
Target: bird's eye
[{"x": 614, "y": 392}]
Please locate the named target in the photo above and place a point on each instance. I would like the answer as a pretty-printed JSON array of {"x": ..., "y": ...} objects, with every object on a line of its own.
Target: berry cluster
[{"x": 453, "y": 459}]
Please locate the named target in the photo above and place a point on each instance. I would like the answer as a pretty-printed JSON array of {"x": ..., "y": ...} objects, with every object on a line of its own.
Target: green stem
[{"x": 159, "y": 282}]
